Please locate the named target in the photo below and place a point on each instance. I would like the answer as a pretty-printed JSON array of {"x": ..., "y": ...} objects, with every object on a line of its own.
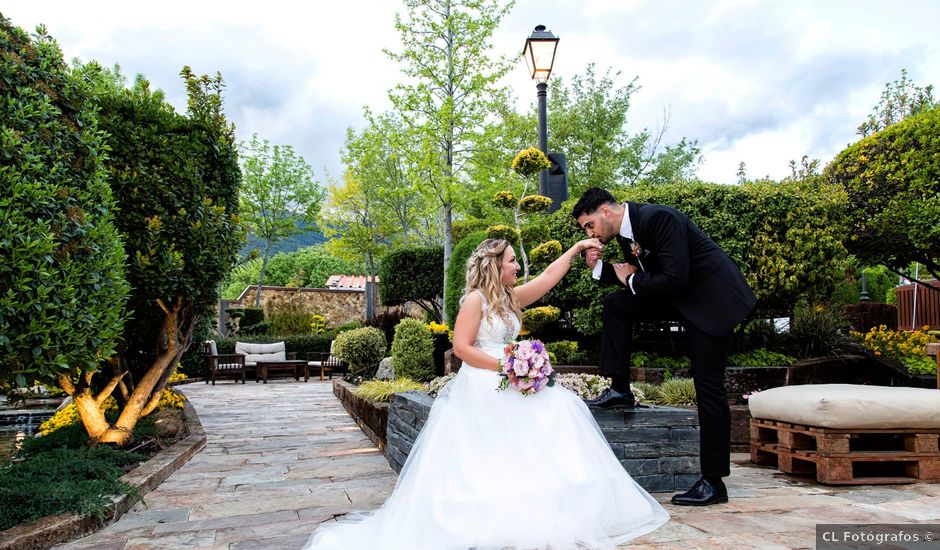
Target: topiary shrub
[
  {"x": 537, "y": 318},
  {"x": 504, "y": 232},
  {"x": 545, "y": 253},
  {"x": 566, "y": 351},
  {"x": 413, "y": 274},
  {"x": 363, "y": 349},
  {"x": 413, "y": 351},
  {"x": 457, "y": 271}
]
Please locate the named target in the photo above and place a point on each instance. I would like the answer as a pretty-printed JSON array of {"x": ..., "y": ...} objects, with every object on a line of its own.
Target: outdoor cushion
[
  {"x": 261, "y": 352},
  {"x": 212, "y": 347},
  {"x": 849, "y": 406}
]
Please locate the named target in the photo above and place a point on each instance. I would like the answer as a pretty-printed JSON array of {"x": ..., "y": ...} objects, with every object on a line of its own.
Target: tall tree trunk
[
  {"x": 264, "y": 265},
  {"x": 146, "y": 394},
  {"x": 447, "y": 209}
]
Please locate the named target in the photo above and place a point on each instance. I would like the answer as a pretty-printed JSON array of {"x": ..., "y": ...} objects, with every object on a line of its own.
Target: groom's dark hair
[{"x": 591, "y": 200}]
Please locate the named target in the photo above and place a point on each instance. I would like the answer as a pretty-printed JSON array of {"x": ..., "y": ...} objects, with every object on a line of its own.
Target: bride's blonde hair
[{"x": 484, "y": 273}]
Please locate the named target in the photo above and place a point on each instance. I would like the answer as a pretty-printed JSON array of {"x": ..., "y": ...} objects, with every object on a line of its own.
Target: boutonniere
[{"x": 638, "y": 252}]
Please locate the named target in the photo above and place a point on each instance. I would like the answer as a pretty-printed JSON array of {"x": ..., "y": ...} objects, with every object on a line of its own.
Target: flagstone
[
  {"x": 227, "y": 522},
  {"x": 283, "y": 458}
]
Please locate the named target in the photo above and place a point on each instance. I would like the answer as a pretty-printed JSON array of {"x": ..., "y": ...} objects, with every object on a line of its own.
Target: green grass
[{"x": 382, "y": 390}]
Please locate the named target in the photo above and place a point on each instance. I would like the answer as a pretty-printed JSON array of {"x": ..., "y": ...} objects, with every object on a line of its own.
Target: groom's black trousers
[{"x": 708, "y": 356}]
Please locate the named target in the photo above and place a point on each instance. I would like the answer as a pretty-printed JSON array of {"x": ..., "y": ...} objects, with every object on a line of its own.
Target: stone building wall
[{"x": 337, "y": 305}]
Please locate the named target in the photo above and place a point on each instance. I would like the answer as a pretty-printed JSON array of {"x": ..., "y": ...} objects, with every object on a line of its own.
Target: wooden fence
[{"x": 928, "y": 306}]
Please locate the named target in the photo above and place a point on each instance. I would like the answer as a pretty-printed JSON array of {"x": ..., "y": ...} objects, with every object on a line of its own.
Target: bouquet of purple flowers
[{"x": 525, "y": 367}]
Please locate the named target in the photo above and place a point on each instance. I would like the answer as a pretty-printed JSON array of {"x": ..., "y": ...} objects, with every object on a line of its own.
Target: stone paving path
[
  {"x": 279, "y": 459},
  {"x": 283, "y": 457}
]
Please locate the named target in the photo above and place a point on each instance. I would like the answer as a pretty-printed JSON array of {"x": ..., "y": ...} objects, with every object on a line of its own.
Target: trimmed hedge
[
  {"x": 363, "y": 349},
  {"x": 412, "y": 274},
  {"x": 413, "y": 351},
  {"x": 457, "y": 271},
  {"x": 892, "y": 180}
]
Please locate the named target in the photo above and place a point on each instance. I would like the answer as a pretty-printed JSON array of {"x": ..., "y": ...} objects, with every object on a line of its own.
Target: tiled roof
[{"x": 354, "y": 282}]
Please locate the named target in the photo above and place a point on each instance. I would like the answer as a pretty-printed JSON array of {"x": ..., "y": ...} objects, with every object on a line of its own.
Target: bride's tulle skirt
[{"x": 493, "y": 470}]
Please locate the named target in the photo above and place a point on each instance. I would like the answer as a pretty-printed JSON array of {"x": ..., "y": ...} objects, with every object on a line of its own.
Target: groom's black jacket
[{"x": 686, "y": 268}]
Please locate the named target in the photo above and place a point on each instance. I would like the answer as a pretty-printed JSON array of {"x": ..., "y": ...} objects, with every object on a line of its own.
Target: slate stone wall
[{"x": 658, "y": 446}]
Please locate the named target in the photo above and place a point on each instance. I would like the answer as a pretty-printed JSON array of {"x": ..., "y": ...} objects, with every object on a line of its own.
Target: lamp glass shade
[{"x": 539, "y": 53}]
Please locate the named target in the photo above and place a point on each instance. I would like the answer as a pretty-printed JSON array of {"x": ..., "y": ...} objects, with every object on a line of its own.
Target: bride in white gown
[{"x": 496, "y": 469}]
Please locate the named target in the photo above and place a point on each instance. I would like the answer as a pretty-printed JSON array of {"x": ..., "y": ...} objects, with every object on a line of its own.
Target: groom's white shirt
[{"x": 626, "y": 231}]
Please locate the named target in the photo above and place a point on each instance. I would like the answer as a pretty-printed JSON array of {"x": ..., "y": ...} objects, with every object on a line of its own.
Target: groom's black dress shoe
[
  {"x": 613, "y": 399},
  {"x": 703, "y": 493}
]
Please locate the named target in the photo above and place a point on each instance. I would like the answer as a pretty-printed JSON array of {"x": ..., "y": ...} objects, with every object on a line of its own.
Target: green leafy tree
[
  {"x": 279, "y": 196},
  {"x": 588, "y": 116},
  {"x": 452, "y": 82},
  {"x": 353, "y": 219},
  {"x": 892, "y": 179},
  {"x": 899, "y": 100},
  {"x": 175, "y": 179},
  {"x": 62, "y": 285},
  {"x": 412, "y": 274},
  {"x": 379, "y": 155},
  {"x": 306, "y": 267}
]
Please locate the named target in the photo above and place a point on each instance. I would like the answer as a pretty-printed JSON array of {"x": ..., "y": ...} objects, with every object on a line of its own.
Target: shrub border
[{"x": 51, "y": 530}]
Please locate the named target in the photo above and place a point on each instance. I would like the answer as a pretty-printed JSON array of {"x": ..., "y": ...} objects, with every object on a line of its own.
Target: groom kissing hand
[{"x": 672, "y": 271}]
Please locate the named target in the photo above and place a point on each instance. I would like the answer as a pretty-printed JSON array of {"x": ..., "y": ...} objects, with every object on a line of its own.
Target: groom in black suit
[{"x": 672, "y": 270}]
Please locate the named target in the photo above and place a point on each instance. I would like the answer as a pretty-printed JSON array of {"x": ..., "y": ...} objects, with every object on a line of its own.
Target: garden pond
[{"x": 21, "y": 421}]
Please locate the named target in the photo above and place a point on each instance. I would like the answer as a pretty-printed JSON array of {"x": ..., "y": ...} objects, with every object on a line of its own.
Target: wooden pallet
[{"x": 848, "y": 457}]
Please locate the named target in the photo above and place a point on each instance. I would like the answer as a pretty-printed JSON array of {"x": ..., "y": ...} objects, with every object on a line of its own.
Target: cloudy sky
[{"x": 756, "y": 81}]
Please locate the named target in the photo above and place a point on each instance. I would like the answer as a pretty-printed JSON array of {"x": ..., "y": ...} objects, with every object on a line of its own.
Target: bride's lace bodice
[{"x": 494, "y": 332}]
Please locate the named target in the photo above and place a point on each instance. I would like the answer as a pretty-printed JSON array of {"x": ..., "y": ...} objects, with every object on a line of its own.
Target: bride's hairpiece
[{"x": 484, "y": 273}]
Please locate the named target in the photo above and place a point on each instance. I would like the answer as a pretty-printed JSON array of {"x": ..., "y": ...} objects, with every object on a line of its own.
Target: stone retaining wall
[
  {"x": 659, "y": 446},
  {"x": 371, "y": 417}
]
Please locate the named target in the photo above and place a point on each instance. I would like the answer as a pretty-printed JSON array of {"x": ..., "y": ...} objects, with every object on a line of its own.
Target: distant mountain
[{"x": 300, "y": 240}]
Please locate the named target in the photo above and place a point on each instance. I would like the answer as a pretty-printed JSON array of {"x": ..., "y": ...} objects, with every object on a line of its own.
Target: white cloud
[{"x": 758, "y": 81}]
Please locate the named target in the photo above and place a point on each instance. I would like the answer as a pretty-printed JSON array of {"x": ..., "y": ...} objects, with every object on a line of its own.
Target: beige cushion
[
  {"x": 212, "y": 348},
  {"x": 849, "y": 406},
  {"x": 261, "y": 352}
]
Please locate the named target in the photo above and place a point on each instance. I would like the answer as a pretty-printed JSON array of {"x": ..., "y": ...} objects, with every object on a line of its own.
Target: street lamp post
[{"x": 539, "y": 53}]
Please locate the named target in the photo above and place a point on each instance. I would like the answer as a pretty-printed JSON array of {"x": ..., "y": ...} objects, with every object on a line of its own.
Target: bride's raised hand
[{"x": 588, "y": 244}]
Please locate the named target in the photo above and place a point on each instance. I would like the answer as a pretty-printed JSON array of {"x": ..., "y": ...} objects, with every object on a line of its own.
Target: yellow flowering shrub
[
  {"x": 178, "y": 377},
  {"x": 907, "y": 347},
  {"x": 437, "y": 327},
  {"x": 318, "y": 324},
  {"x": 171, "y": 398}
]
